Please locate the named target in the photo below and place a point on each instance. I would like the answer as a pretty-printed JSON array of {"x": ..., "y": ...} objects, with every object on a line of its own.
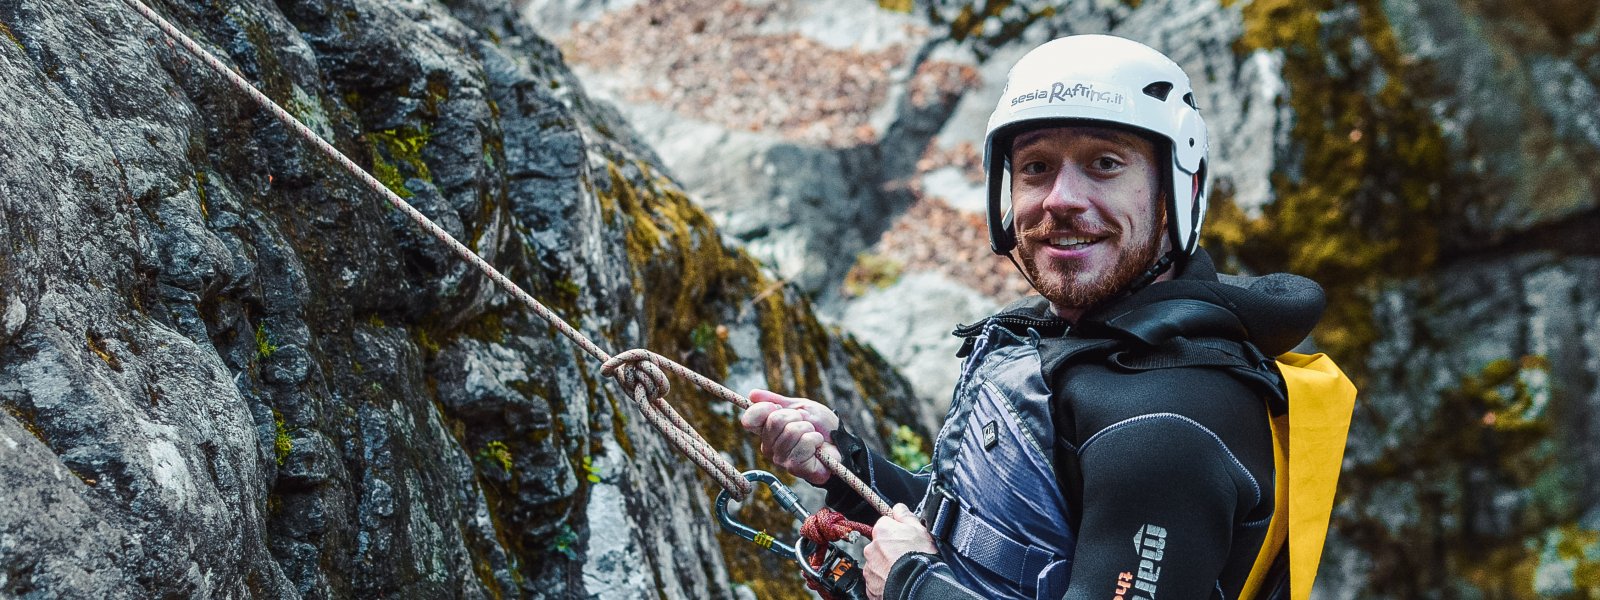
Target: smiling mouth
[{"x": 1071, "y": 242}]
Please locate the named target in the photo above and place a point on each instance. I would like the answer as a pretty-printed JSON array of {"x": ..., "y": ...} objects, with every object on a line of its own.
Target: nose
[{"x": 1069, "y": 192}]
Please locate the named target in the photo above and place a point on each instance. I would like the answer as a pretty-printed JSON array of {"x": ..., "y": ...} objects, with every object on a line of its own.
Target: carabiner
[
  {"x": 786, "y": 499},
  {"x": 841, "y": 576}
]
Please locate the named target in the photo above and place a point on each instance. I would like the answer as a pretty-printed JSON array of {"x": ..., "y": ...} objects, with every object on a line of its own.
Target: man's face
[{"x": 1087, "y": 216}]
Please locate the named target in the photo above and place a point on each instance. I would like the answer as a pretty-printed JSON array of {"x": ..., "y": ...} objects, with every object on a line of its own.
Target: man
[{"x": 1108, "y": 438}]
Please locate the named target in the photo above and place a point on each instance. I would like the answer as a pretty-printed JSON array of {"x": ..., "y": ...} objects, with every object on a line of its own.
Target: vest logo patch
[
  {"x": 1150, "y": 544},
  {"x": 991, "y": 435}
]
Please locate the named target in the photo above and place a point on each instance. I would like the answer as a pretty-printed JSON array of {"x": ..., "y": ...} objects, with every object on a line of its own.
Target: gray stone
[
  {"x": 911, "y": 321},
  {"x": 229, "y": 371}
]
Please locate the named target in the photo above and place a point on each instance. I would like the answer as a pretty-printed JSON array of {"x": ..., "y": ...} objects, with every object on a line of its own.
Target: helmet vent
[
  {"x": 1158, "y": 90},
  {"x": 1189, "y": 100}
]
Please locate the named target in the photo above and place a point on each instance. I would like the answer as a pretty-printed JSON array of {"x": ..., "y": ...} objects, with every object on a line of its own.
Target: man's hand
[
  {"x": 892, "y": 537},
  {"x": 791, "y": 429}
]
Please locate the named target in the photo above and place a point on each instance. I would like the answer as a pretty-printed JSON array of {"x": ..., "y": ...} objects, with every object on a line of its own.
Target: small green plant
[
  {"x": 264, "y": 345},
  {"x": 496, "y": 453},
  {"x": 564, "y": 541},
  {"x": 591, "y": 472},
  {"x": 282, "y": 444},
  {"x": 906, "y": 449},
  {"x": 703, "y": 336}
]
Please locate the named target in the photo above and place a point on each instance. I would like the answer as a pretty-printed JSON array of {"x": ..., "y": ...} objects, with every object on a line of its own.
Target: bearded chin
[{"x": 1067, "y": 288}]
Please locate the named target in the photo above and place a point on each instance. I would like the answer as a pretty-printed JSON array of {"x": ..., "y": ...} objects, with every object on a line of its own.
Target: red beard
[{"x": 1132, "y": 260}]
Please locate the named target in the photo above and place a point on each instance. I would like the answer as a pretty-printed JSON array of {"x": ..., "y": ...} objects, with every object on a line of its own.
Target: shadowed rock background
[
  {"x": 1432, "y": 164},
  {"x": 229, "y": 372}
]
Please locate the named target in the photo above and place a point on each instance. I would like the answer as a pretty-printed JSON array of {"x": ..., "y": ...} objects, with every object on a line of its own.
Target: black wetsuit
[{"x": 1160, "y": 427}]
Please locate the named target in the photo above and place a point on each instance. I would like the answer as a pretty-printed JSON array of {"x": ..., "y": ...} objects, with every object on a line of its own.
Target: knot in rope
[
  {"x": 637, "y": 368},
  {"x": 822, "y": 528},
  {"x": 828, "y": 525}
]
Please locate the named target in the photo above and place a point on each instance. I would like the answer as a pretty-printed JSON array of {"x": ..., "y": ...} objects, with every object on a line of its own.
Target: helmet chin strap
[
  {"x": 1011, "y": 256},
  {"x": 1149, "y": 275}
]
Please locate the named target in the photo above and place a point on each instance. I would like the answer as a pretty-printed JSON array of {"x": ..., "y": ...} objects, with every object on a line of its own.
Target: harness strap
[{"x": 978, "y": 541}]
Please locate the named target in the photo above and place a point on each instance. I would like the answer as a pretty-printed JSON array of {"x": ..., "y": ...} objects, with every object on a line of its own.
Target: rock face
[{"x": 229, "y": 372}]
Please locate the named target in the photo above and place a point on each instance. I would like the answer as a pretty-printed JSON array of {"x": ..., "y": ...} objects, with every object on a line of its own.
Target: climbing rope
[
  {"x": 640, "y": 372},
  {"x": 823, "y": 528}
]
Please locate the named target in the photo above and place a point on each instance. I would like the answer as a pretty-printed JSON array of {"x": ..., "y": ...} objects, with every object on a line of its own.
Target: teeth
[{"x": 1070, "y": 241}]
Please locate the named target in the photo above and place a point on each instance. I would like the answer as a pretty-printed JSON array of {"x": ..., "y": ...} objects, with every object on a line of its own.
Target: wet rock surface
[{"x": 228, "y": 371}]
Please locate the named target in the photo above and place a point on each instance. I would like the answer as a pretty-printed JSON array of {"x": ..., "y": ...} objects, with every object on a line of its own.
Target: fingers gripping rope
[{"x": 642, "y": 373}]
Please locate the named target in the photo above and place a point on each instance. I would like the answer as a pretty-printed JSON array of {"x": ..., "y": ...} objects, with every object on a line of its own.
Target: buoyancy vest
[{"x": 994, "y": 505}]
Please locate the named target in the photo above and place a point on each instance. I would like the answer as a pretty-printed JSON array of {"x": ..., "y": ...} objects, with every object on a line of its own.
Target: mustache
[{"x": 1081, "y": 224}]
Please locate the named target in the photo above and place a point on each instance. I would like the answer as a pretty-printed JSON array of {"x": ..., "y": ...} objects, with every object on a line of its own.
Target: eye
[
  {"x": 1105, "y": 163},
  {"x": 1036, "y": 167}
]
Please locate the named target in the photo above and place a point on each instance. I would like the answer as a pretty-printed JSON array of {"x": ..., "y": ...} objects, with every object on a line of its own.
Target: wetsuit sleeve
[
  {"x": 891, "y": 481},
  {"x": 1160, "y": 497}
]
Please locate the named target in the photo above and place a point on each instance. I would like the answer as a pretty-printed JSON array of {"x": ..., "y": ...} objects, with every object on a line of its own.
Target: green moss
[
  {"x": 98, "y": 348},
  {"x": 11, "y": 36},
  {"x": 27, "y": 420},
  {"x": 426, "y": 342},
  {"x": 491, "y": 327},
  {"x": 282, "y": 444},
  {"x": 200, "y": 191},
  {"x": 899, "y": 6},
  {"x": 871, "y": 272},
  {"x": 680, "y": 267},
  {"x": 567, "y": 293},
  {"x": 397, "y": 156},
  {"x": 264, "y": 342},
  {"x": 435, "y": 94},
  {"x": 496, "y": 453},
  {"x": 1367, "y": 206},
  {"x": 1488, "y": 497}
]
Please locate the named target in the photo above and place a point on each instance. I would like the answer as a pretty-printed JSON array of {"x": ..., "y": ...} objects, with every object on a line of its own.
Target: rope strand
[{"x": 640, "y": 371}]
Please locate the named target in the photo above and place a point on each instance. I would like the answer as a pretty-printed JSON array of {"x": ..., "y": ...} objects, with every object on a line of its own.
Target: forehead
[{"x": 1075, "y": 134}]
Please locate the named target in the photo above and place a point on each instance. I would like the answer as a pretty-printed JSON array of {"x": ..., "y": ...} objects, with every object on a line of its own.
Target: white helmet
[{"x": 1109, "y": 80}]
